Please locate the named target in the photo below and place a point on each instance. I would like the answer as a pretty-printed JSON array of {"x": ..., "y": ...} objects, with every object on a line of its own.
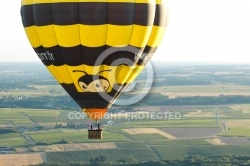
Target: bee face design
[
  {"x": 99, "y": 85},
  {"x": 93, "y": 83}
]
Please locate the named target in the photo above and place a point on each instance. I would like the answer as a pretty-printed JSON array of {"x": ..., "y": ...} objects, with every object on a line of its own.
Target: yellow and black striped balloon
[{"x": 70, "y": 35}]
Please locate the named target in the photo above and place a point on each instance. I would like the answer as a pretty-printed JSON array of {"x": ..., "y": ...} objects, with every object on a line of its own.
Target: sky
[{"x": 198, "y": 31}]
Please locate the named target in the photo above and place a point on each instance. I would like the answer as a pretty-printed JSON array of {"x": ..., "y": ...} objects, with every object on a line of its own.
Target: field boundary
[{"x": 149, "y": 131}]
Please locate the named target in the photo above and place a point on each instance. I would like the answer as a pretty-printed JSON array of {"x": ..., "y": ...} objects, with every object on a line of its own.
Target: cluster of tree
[
  {"x": 200, "y": 79},
  {"x": 24, "y": 76},
  {"x": 97, "y": 160},
  {"x": 199, "y": 75},
  {"x": 191, "y": 160},
  {"x": 6, "y": 131},
  {"x": 175, "y": 81},
  {"x": 43, "y": 102},
  {"x": 159, "y": 99},
  {"x": 5, "y": 86},
  {"x": 63, "y": 141},
  {"x": 69, "y": 126}
]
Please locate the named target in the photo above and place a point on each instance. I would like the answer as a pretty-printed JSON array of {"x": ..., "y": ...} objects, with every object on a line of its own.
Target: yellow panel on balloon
[
  {"x": 68, "y": 36},
  {"x": 123, "y": 73},
  {"x": 47, "y": 35},
  {"x": 140, "y": 35},
  {"x": 155, "y": 36},
  {"x": 33, "y": 37},
  {"x": 93, "y": 35},
  {"x": 63, "y": 73},
  {"x": 119, "y": 36}
]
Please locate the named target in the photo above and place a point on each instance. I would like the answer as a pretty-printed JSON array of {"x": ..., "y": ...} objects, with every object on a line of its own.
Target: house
[
  {"x": 6, "y": 150},
  {"x": 110, "y": 122}
]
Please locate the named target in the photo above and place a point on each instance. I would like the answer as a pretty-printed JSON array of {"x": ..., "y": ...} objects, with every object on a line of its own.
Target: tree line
[
  {"x": 41, "y": 102},
  {"x": 155, "y": 99},
  {"x": 152, "y": 99},
  {"x": 191, "y": 160}
]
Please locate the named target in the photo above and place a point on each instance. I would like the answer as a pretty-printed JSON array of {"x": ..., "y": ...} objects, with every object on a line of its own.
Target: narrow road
[
  {"x": 28, "y": 138},
  {"x": 224, "y": 127},
  {"x": 155, "y": 151},
  {"x": 29, "y": 118}
]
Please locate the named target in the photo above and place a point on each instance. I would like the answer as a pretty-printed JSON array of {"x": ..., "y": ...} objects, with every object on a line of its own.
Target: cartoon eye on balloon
[{"x": 93, "y": 83}]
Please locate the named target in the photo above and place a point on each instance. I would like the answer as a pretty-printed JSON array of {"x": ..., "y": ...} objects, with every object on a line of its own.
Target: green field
[
  {"x": 30, "y": 117},
  {"x": 132, "y": 145},
  {"x": 12, "y": 139},
  {"x": 142, "y": 146},
  {"x": 34, "y": 117},
  {"x": 40, "y": 90},
  {"x": 10, "y": 114},
  {"x": 184, "y": 142},
  {"x": 237, "y": 131},
  {"x": 112, "y": 154},
  {"x": 184, "y": 122},
  {"x": 15, "y": 117},
  {"x": 144, "y": 137},
  {"x": 73, "y": 136}
]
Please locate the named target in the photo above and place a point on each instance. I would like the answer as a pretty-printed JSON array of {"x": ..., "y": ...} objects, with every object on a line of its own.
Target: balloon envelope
[{"x": 71, "y": 37}]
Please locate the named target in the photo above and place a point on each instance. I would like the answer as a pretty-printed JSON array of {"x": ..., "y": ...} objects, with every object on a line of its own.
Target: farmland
[
  {"x": 144, "y": 139},
  {"x": 22, "y": 159},
  {"x": 207, "y": 90},
  {"x": 111, "y": 154},
  {"x": 34, "y": 117},
  {"x": 180, "y": 152},
  {"x": 12, "y": 139}
]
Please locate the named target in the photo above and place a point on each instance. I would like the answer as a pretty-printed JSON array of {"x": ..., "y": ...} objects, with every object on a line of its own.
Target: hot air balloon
[{"x": 71, "y": 37}]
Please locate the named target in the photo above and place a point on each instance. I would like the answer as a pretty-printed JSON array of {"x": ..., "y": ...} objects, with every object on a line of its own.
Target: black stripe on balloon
[
  {"x": 145, "y": 14},
  {"x": 39, "y": 51},
  {"x": 121, "y": 13},
  {"x": 90, "y": 13},
  {"x": 27, "y": 15},
  {"x": 88, "y": 100},
  {"x": 79, "y": 55},
  {"x": 160, "y": 16},
  {"x": 76, "y": 96}
]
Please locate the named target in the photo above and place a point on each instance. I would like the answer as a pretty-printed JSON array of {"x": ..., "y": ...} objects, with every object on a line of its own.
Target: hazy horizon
[{"x": 159, "y": 62}]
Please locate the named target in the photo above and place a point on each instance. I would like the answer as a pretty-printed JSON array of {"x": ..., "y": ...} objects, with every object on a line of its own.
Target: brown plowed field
[{"x": 22, "y": 159}]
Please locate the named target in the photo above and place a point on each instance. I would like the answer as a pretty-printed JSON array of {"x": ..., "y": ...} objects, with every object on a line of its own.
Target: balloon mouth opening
[{"x": 95, "y": 114}]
